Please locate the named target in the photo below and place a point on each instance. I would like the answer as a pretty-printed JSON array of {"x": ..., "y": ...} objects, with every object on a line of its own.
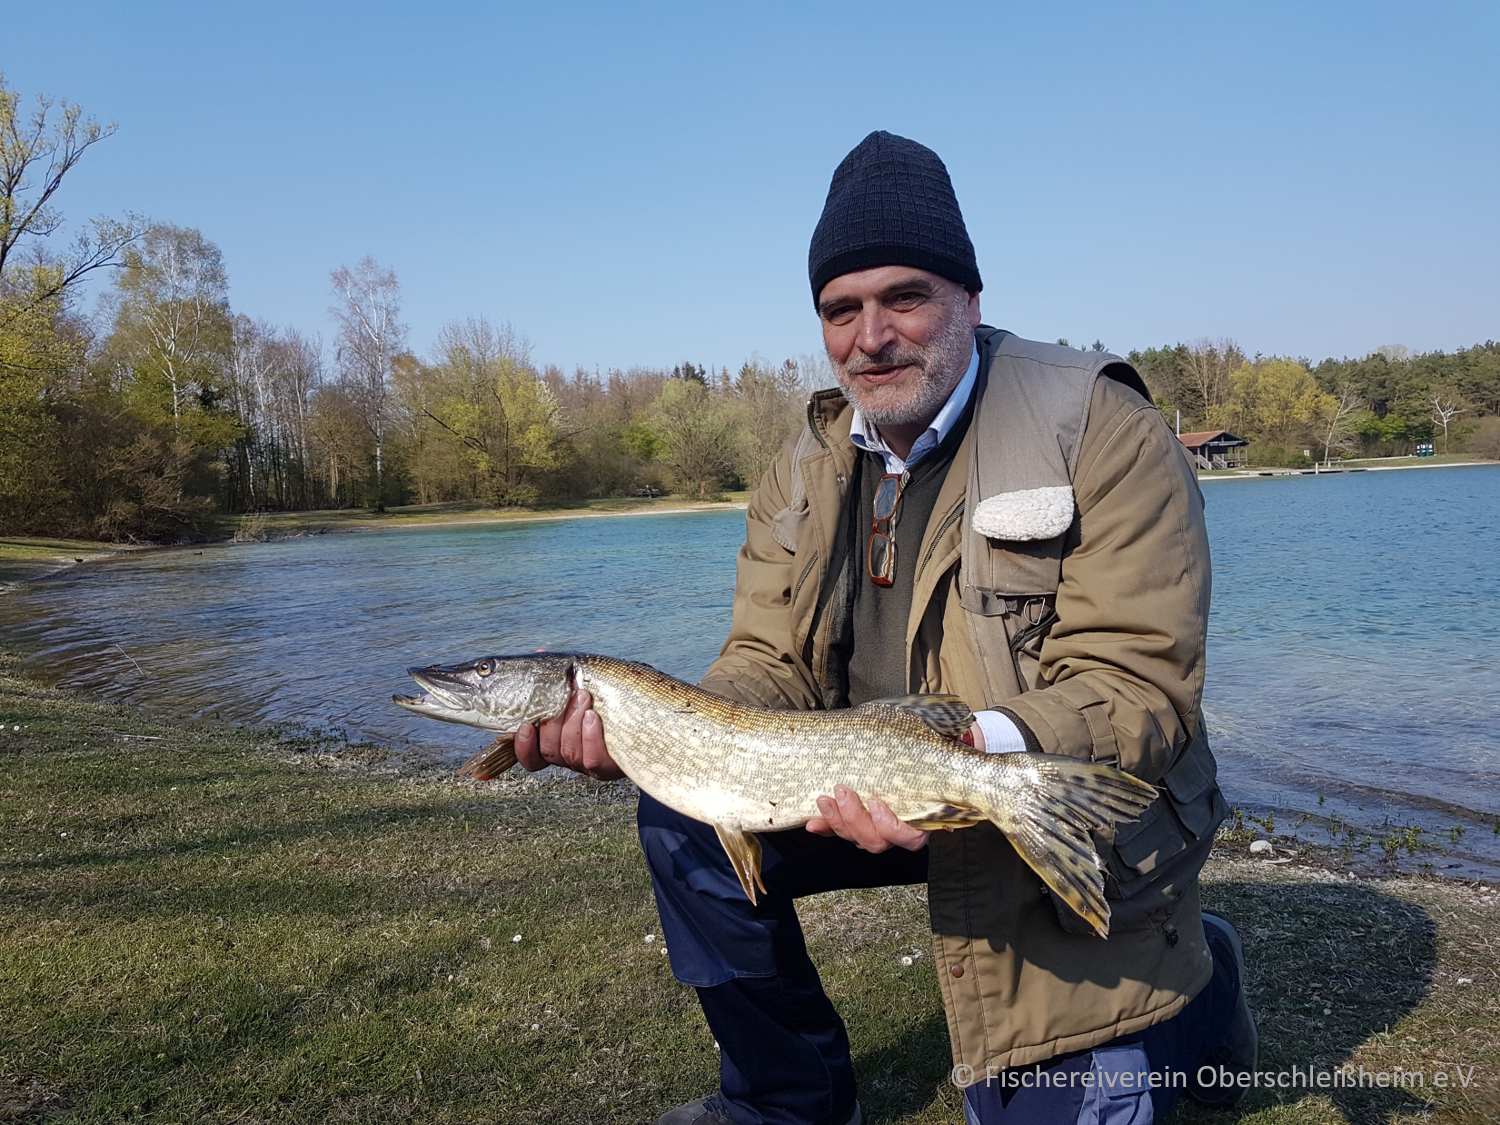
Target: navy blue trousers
[{"x": 784, "y": 1053}]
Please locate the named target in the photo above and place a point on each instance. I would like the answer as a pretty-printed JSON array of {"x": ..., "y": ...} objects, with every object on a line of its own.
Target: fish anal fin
[
  {"x": 492, "y": 761},
  {"x": 743, "y": 850},
  {"x": 948, "y": 715},
  {"x": 948, "y": 818}
]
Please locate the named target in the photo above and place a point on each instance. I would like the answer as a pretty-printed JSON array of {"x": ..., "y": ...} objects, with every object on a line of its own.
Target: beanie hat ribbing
[{"x": 891, "y": 203}]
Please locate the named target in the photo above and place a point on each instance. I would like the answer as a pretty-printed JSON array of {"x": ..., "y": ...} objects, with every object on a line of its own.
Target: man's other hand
[
  {"x": 874, "y": 829},
  {"x": 573, "y": 740}
]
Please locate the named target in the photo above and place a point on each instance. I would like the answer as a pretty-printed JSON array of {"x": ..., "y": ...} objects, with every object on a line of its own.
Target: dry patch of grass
[
  {"x": 279, "y": 525},
  {"x": 204, "y": 924}
]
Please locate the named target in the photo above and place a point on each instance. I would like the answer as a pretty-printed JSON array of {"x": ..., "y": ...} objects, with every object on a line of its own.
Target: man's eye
[
  {"x": 907, "y": 300},
  {"x": 839, "y": 314}
]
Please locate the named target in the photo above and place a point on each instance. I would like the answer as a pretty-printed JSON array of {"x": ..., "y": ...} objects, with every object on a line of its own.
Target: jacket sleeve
[
  {"x": 759, "y": 664},
  {"x": 1122, "y": 669}
]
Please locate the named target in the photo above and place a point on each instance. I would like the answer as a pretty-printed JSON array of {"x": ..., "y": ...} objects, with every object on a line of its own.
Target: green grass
[
  {"x": 204, "y": 924},
  {"x": 22, "y": 557},
  {"x": 1391, "y": 462}
]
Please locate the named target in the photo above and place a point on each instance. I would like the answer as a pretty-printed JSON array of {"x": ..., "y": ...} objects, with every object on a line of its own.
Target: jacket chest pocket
[{"x": 1010, "y": 592}]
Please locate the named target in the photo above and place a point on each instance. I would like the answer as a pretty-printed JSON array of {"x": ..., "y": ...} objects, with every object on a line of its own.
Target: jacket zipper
[
  {"x": 812, "y": 422},
  {"x": 944, "y": 526},
  {"x": 805, "y": 572}
]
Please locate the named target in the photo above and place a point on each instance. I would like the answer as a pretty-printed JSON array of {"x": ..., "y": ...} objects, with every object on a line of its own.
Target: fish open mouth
[
  {"x": 437, "y": 695},
  {"x": 438, "y": 684}
]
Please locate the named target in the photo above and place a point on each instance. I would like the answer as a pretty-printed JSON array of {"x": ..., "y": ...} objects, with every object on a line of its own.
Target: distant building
[{"x": 1216, "y": 449}]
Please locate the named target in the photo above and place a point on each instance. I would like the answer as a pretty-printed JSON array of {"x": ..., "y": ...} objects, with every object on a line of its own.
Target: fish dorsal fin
[{"x": 948, "y": 715}]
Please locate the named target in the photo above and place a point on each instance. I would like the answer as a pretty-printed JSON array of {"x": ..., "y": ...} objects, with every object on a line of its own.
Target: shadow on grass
[
  {"x": 1328, "y": 967},
  {"x": 898, "y": 1080},
  {"x": 1363, "y": 955}
]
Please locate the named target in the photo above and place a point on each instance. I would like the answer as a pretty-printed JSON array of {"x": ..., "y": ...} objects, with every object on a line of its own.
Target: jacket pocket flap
[
  {"x": 1148, "y": 842},
  {"x": 1015, "y": 568},
  {"x": 786, "y": 525},
  {"x": 1203, "y": 813},
  {"x": 1194, "y": 772}
]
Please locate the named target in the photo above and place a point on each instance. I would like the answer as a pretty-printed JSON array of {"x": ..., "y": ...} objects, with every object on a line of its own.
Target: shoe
[
  {"x": 704, "y": 1111},
  {"x": 711, "y": 1111},
  {"x": 1239, "y": 1053}
]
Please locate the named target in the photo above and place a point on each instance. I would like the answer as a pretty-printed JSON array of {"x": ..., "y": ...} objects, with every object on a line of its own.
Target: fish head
[{"x": 496, "y": 693}]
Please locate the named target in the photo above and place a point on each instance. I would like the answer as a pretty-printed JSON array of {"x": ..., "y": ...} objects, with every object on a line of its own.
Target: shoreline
[
  {"x": 542, "y": 517},
  {"x": 1263, "y": 474}
]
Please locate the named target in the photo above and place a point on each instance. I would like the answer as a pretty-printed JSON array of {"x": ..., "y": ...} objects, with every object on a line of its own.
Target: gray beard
[{"x": 942, "y": 364}]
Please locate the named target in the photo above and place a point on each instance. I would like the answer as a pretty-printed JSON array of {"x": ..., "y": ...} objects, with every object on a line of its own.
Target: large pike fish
[{"x": 746, "y": 770}]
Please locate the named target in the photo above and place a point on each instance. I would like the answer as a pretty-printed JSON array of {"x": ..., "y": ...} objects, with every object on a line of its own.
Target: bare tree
[
  {"x": 370, "y": 336},
  {"x": 1341, "y": 414},
  {"x": 36, "y": 152},
  {"x": 1208, "y": 365},
  {"x": 1445, "y": 408}
]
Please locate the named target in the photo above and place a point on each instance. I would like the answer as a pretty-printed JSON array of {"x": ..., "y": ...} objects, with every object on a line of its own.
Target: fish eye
[{"x": 485, "y": 667}]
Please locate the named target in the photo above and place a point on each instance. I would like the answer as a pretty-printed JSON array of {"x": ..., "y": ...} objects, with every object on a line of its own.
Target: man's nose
[{"x": 876, "y": 330}]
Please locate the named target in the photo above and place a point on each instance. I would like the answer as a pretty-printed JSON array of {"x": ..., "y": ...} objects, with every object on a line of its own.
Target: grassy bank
[
  {"x": 204, "y": 924},
  {"x": 280, "y": 524},
  {"x": 22, "y": 557}
]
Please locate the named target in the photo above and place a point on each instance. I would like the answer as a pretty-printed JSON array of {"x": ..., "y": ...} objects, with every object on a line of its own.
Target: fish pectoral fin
[
  {"x": 743, "y": 851},
  {"x": 492, "y": 761},
  {"x": 948, "y": 715}
]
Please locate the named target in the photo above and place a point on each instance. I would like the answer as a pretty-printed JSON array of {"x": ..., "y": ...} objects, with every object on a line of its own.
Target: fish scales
[
  {"x": 750, "y": 769},
  {"x": 747, "y": 770}
]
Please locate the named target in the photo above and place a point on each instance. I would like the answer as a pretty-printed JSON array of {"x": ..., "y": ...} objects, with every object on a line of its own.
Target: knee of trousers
[{"x": 712, "y": 932}]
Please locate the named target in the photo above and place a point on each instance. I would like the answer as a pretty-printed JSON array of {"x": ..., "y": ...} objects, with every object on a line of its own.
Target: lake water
[{"x": 1354, "y": 666}]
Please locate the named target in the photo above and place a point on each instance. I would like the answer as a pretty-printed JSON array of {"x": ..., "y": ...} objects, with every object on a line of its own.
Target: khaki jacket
[{"x": 1120, "y": 675}]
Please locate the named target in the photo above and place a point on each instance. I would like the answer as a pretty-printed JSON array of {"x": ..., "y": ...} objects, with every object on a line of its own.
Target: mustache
[{"x": 892, "y": 355}]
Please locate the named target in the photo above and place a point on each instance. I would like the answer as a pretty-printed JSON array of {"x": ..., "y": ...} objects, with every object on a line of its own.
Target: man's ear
[{"x": 974, "y": 318}]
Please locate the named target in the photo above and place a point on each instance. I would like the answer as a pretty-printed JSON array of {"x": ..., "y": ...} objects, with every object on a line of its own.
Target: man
[{"x": 1014, "y": 524}]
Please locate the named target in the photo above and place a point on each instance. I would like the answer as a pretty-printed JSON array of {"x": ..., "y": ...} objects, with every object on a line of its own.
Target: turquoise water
[
  {"x": 1353, "y": 653},
  {"x": 1354, "y": 650}
]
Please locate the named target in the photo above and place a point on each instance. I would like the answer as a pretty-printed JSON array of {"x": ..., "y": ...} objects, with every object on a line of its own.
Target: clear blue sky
[{"x": 637, "y": 183}]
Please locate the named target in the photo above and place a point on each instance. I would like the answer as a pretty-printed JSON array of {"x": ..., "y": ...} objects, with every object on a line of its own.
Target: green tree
[
  {"x": 499, "y": 416},
  {"x": 173, "y": 333},
  {"x": 1275, "y": 400},
  {"x": 699, "y": 440},
  {"x": 42, "y": 345}
]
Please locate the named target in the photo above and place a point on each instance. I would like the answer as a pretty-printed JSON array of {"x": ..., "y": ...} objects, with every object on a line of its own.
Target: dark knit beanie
[{"x": 891, "y": 204}]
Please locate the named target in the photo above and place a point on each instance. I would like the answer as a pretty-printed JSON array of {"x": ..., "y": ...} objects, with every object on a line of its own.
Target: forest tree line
[
  {"x": 1382, "y": 405},
  {"x": 162, "y": 406},
  {"x": 145, "y": 416}
]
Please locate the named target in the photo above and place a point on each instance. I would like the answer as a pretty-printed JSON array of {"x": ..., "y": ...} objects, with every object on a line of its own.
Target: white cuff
[{"x": 1001, "y": 736}]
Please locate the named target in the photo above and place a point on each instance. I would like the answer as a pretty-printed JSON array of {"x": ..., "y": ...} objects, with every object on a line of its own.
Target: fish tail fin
[
  {"x": 492, "y": 761},
  {"x": 743, "y": 849},
  {"x": 1049, "y": 818}
]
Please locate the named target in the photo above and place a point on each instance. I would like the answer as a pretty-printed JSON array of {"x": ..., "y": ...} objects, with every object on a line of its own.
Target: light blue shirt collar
[{"x": 868, "y": 437}]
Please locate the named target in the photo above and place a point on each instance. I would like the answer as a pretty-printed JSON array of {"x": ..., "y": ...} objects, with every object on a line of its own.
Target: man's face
[{"x": 899, "y": 339}]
